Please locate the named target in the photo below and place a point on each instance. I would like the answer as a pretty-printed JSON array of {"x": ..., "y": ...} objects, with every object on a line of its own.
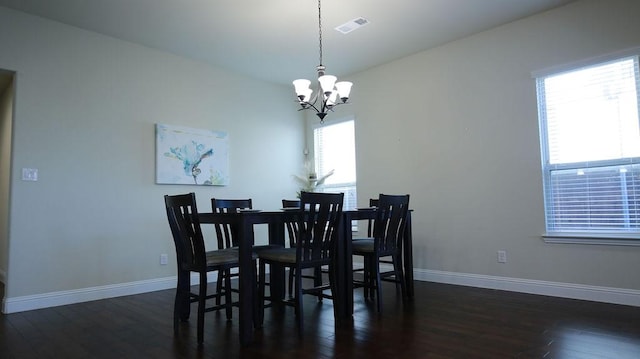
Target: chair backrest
[
  {"x": 373, "y": 202},
  {"x": 319, "y": 227},
  {"x": 182, "y": 214},
  {"x": 292, "y": 226},
  {"x": 224, "y": 232},
  {"x": 290, "y": 203},
  {"x": 390, "y": 222}
]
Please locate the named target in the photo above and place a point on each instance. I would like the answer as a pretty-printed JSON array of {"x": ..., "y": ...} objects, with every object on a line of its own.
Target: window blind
[
  {"x": 590, "y": 136},
  {"x": 335, "y": 149}
]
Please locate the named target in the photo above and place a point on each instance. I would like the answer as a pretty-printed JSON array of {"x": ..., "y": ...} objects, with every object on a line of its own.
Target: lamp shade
[
  {"x": 307, "y": 94},
  {"x": 301, "y": 87},
  {"x": 327, "y": 82},
  {"x": 344, "y": 89},
  {"x": 331, "y": 101}
]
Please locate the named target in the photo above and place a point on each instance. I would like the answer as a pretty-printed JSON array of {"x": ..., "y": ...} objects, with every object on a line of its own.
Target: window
[
  {"x": 335, "y": 149},
  {"x": 590, "y": 141}
]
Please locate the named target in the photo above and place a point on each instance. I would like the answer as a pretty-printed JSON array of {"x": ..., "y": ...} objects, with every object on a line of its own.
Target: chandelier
[{"x": 330, "y": 93}]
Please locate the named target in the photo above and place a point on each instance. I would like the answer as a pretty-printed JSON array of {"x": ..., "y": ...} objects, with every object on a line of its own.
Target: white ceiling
[{"x": 277, "y": 40}]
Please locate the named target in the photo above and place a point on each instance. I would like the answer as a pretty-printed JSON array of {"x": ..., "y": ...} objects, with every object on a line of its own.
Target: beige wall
[
  {"x": 458, "y": 130},
  {"x": 85, "y": 110}
]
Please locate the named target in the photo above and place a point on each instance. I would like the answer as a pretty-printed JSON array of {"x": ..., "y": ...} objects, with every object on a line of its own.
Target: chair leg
[
  {"x": 182, "y": 295},
  {"x": 372, "y": 277},
  {"x": 257, "y": 303},
  {"x": 291, "y": 274},
  {"x": 397, "y": 262},
  {"x": 176, "y": 312},
  {"x": 368, "y": 278},
  {"x": 397, "y": 267},
  {"x": 227, "y": 294},
  {"x": 261, "y": 284},
  {"x": 338, "y": 295},
  {"x": 317, "y": 279},
  {"x": 298, "y": 300},
  {"x": 364, "y": 277},
  {"x": 202, "y": 296},
  {"x": 221, "y": 277},
  {"x": 376, "y": 268}
]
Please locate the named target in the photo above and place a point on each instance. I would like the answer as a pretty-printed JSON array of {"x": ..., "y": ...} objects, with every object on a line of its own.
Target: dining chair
[
  {"x": 225, "y": 232},
  {"x": 292, "y": 226},
  {"x": 290, "y": 203},
  {"x": 388, "y": 231},
  {"x": 373, "y": 203},
  {"x": 192, "y": 257},
  {"x": 292, "y": 231},
  {"x": 318, "y": 230}
]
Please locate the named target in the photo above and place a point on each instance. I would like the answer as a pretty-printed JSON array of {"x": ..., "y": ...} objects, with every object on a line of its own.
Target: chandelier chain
[
  {"x": 320, "y": 30},
  {"x": 329, "y": 93}
]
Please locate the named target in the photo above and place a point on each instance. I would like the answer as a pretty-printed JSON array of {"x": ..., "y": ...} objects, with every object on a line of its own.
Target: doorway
[{"x": 7, "y": 93}]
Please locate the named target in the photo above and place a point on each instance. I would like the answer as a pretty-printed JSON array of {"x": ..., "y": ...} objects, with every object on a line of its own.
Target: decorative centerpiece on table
[{"x": 309, "y": 182}]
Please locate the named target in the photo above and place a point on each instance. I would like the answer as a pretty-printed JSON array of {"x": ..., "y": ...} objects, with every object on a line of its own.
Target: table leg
[
  {"x": 247, "y": 283},
  {"x": 277, "y": 286},
  {"x": 348, "y": 267}
]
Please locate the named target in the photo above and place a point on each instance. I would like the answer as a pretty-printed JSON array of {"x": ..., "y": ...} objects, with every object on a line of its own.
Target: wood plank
[{"x": 441, "y": 321}]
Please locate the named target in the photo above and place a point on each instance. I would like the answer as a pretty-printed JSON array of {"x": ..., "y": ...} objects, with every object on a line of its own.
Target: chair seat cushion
[
  {"x": 364, "y": 245},
  {"x": 263, "y": 247},
  {"x": 234, "y": 250},
  {"x": 221, "y": 257},
  {"x": 283, "y": 255}
]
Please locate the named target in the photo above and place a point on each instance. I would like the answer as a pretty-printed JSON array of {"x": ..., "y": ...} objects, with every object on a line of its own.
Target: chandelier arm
[
  {"x": 330, "y": 108},
  {"x": 308, "y": 105},
  {"x": 314, "y": 99},
  {"x": 325, "y": 107},
  {"x": 315, "y": 108}
]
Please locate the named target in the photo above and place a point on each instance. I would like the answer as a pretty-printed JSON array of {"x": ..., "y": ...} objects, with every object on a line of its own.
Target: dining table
[{"x": 243, "y": 223}]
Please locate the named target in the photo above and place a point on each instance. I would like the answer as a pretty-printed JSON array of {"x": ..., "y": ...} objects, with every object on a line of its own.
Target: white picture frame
[{"x": 192, "y": 156}]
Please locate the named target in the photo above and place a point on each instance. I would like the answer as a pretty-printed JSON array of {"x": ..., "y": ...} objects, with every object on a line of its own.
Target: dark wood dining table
[{"x": 243, "y": 222}]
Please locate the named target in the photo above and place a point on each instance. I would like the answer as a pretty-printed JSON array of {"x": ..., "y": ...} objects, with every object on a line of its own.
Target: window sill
[{"x": 607, "y": 239}]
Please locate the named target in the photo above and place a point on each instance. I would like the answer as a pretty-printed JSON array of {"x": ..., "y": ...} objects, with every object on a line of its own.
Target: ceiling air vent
[{"x": 352, "y": 25}]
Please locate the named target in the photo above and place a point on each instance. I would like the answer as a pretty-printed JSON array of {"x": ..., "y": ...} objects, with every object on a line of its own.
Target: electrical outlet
[
  {"x": 164, "y": 259},
  {"x": 29, "y": 174},
  {"x": 502, "y": 256}
]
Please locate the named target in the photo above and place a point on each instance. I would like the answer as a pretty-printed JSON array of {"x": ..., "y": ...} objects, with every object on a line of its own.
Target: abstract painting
[{"x": 191, "y": 156}]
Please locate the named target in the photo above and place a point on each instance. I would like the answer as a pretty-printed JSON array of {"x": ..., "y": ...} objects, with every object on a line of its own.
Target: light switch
[{"x": 29, "y": 174}]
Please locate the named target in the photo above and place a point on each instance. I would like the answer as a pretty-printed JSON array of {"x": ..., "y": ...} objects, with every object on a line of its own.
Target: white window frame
[
  {"x": 582, "y": 236},
  {"x": 348, "y": 188}
]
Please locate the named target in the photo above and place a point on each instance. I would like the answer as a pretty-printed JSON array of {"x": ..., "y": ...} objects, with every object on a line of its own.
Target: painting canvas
[{"x": 191, "y": 156}]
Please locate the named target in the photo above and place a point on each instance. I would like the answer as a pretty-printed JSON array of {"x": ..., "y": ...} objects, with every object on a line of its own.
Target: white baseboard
[
  {"x": 54, "y": 299},
  {"x": 553, "y": 289}
]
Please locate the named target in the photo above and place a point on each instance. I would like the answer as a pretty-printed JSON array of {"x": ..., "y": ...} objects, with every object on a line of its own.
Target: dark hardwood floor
[{"x": 442, "y": 321}]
